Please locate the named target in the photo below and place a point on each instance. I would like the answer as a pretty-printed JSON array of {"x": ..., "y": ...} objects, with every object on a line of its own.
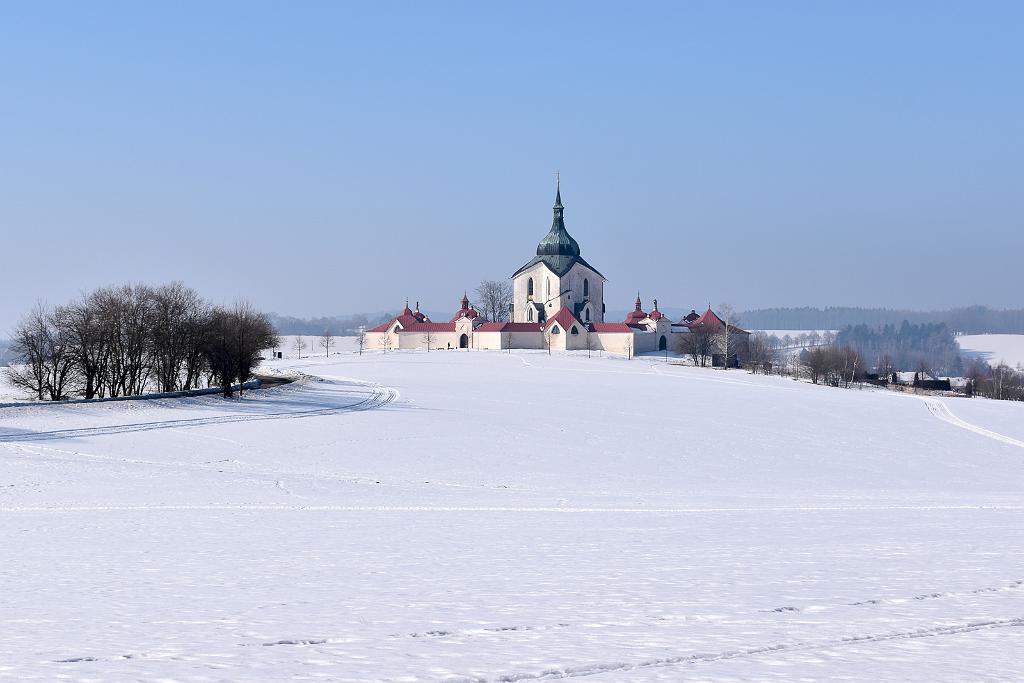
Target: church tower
[{"x": 557, "y": 277}]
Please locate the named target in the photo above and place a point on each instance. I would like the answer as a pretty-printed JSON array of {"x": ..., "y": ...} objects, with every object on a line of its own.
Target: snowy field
[
  {"x": 994, "y": 348},
  {"x": 461, "y": 516}
]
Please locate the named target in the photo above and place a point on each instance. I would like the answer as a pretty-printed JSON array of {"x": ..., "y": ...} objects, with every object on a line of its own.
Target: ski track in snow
[
  {"x": 942, "y": 411},
  {"x": 376, "y": 396},
  {"x": 580, "y": 670},
  {"x": 596, "y": 668}
]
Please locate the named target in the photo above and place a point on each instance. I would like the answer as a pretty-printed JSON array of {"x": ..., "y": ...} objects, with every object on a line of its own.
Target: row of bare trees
[
  {"x": 132, "y": 339},
  {"x": 1000, "y": 382},
  {"x": 836, "y": 366}
]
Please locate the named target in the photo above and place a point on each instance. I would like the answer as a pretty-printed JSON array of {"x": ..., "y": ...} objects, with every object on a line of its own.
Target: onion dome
[
  {"x": 558, "y": 241},
  {"x": 558, "y": 250}
]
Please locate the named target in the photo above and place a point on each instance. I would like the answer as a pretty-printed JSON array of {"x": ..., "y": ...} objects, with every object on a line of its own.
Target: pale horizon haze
[{"x": 334, "y": 158}]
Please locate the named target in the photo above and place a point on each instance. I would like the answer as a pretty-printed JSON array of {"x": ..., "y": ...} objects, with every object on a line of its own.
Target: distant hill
[
  {"x": 339, "y": 325},
  {"x": 969, "y": 320}
]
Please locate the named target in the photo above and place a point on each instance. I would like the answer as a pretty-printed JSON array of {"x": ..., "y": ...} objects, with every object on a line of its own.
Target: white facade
[{"x": 538, "y": 293}]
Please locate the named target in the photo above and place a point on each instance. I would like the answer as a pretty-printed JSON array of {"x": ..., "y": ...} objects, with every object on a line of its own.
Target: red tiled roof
[
  {"x": 564, "y": 317},
  {"x": 466, "y": 311},
  {"x": 431, "y": 327},
  {"x": 406, "y": 319},
  {"x": 610, "y": 327},
  {"x": 509, "y": 327},
  {"x": 710, "y": 322}
]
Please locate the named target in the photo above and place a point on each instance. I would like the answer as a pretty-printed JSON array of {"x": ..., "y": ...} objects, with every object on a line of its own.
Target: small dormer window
[
  {"x": 555, "y": 330},
  {"x": 574, "y": 330},
  {"x": 586, "y": 314},
  {"x": 529, "y": 311},
  {"x": 397, "y": 328}
]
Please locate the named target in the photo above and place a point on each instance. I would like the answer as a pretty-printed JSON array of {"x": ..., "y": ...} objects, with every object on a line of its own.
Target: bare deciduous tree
[
  {"x": 44, "y": 360},
  {"x": 728, "y": 316},
  {"x": 298, "y": 345},
  {"x": 326, "y": 339},
  {"x": 177, "y": 316},
  {"x": 83, "y": 322},
  {"x": 698, "y": 345},
  {"x": 235, "y": 341},
  {"x": 493, "y": 299},
  {"x": 760, "y": 353}
]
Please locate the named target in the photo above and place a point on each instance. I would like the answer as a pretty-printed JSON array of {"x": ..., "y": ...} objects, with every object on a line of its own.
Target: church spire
[{"x": 558, "y": 191}]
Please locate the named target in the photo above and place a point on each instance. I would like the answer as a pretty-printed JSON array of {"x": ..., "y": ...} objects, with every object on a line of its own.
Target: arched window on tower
[
  {"x": 547, "y": 287},
  {"x": 529, "y": 287},
  {"x": 586, "y": 287},
  {"x": 586, "y": 314},
  {"x": 529, "y": 312}
]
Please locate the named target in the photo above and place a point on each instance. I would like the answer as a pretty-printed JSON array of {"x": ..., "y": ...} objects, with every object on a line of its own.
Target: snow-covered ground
[
  {"x": 994, "y": 348},
  {"x": 470, "y": 516}
]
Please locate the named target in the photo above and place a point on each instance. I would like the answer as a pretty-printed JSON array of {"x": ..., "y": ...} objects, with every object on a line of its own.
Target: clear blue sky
[{"x": 323, "y": 158}]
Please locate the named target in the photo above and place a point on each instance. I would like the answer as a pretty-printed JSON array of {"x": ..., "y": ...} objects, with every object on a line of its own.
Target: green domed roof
[
  {"x": 558, "y": 241},
  {"x": 558, "y": 250}
]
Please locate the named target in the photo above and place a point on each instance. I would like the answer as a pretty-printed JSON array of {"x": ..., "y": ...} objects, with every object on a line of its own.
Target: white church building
[{"x": 558, "y": 303}]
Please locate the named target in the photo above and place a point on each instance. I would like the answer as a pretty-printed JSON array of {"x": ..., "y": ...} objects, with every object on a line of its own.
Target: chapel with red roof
[{"x": 557, "y": 304}]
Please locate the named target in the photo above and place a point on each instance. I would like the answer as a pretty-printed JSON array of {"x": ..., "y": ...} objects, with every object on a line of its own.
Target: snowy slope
[
  {"x": 995, "y": 348},
  {"x": 488, "y": 516}
]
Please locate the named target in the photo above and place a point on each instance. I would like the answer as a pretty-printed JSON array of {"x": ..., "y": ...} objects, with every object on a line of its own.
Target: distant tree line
[
  {"x": 134, "y": 339},
  {"x": 344, "y": 326},
  {"x": 927, "y": 347},
  {"x": 967, "y": 320},
  {"x": 839, "y": 362}
]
